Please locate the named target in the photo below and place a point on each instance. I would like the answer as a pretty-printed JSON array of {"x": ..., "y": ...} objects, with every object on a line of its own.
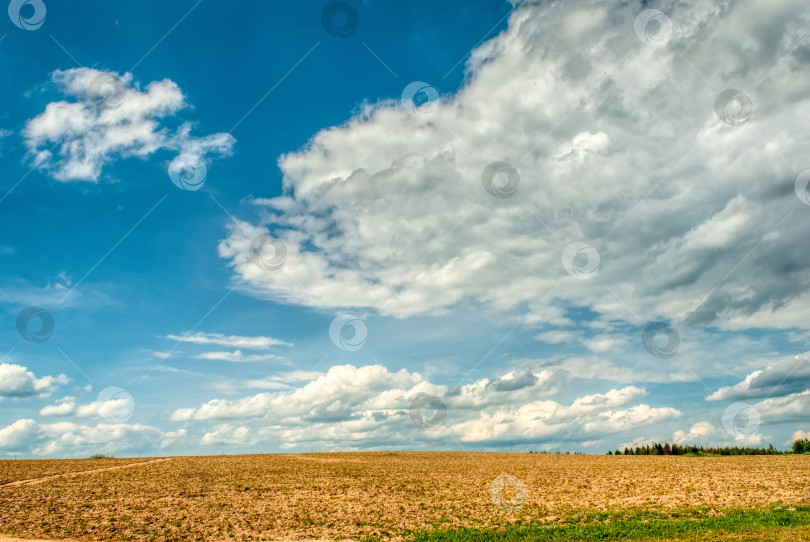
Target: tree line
[{"x": 799, "y": 446}]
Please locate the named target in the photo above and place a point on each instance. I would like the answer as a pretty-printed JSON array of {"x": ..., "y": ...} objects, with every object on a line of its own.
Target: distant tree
[
  {"x": 666, "y": 449},
  {"x": 609, "y": 452}
]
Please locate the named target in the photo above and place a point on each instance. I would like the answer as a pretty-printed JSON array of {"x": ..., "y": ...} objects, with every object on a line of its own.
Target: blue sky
[{"x": 553, "y": 226}]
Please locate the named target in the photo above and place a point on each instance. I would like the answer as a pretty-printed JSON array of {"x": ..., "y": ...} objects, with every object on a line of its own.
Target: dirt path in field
[
  {"x": 4, "y": 538},
  {"x": 33, "y": 481}
]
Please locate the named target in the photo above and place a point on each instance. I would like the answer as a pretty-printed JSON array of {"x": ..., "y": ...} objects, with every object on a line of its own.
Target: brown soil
[{"x": 335, "y": 496}]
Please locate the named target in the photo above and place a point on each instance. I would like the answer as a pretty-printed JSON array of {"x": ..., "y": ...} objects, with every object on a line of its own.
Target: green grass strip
[{"x": 640, "y": 528}]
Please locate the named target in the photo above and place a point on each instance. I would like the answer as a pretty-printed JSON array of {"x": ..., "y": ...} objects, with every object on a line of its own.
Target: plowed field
[{"x": 354, "y": 495}]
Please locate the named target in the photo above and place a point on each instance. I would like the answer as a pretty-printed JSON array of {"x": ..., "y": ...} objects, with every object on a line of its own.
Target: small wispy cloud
[
  {"x": 163, "y": 355},
  {"x": 558, "y": 336},
  {"x": 232, "y": 341},
  {"x": 280, "y": 381},
  {"x": 238, "y": 357}
]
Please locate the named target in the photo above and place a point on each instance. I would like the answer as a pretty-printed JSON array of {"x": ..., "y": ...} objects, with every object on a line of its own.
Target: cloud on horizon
[
  {"x": 370, "y": 406},
  {"x": 67, "y": 439}
]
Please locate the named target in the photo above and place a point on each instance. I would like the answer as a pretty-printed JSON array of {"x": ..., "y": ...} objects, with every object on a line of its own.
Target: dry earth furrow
[{"x": 33, "y": 481}]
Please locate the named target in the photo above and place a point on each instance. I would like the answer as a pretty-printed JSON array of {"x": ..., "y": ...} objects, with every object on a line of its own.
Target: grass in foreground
[{"x": 774, "y": 524}]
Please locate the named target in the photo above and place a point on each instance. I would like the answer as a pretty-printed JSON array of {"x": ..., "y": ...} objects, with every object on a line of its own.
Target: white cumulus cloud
[
  {"x": 786, "y": 375},
  {"x": 18, "y": 381},
  {"x": 74, "y": 140},
  {"x": 697, "y": 434},
  {"x": 63, "y": 407},
  {"x": 616, "y": 143}
]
